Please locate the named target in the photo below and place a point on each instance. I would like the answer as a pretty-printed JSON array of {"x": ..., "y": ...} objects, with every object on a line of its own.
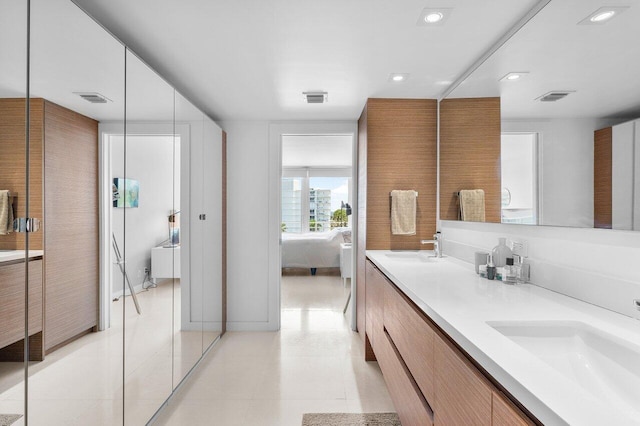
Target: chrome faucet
[{"x": 437, "y": 243}]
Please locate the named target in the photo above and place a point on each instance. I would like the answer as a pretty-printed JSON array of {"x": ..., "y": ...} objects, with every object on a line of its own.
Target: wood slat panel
[
  {"x": 602, "y": 181},
  {"x": 71, "y": 219},
  {"x": 462, "y": 395},
  {"x": 470, "y": 154},
  {"x": 401, "y": 154},
  {"x": 12, "y": 165},
  {"x": 413, "y": 336}
]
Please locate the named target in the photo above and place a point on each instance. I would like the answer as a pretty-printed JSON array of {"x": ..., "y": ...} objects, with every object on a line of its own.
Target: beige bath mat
[{"x": 350, "y": 419}]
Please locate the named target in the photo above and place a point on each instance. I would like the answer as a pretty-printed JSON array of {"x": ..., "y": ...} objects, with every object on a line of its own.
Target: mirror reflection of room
[
  {"x": 579, "y": 105},
  {"x": 316, "y": 224}
]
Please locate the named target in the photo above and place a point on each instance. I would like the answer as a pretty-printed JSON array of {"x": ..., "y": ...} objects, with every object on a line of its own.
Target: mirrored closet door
[{"x": 15, "y": 191}]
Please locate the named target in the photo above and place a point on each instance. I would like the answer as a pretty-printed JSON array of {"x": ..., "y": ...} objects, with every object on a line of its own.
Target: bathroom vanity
[
  {"x": 12, "y": 315},
  {"x": 455, "y": 348}
]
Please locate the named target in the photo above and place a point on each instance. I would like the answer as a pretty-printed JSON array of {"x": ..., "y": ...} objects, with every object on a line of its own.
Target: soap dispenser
[{"x": 501, "y": 252}]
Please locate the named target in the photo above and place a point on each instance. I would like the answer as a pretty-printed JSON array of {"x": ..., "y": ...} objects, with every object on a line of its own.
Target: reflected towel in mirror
[
  {"x": 6, "y": 212},
  {"x": 471, "y": 205}
]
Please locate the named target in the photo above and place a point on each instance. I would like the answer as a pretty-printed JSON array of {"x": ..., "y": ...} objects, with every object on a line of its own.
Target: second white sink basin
[{"x": 604, "y": 365}]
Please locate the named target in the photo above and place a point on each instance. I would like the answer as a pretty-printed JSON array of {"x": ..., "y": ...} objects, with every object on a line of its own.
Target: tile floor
[
  {"x": 81, "y": 383},
  {"x": 314, "y": 364}
]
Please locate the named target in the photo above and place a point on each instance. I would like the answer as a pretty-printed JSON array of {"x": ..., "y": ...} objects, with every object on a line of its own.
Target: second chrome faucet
[{"x": 437, "y": 243}]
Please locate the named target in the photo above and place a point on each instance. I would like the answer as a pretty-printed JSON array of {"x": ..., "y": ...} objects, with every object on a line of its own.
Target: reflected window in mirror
[{"x": 518, "y": 161}]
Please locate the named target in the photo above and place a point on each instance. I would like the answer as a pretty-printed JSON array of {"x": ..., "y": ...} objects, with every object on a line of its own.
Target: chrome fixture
[
  {"x": 26, "y": 224},
  {"x": 636, "y": 303},
  {"x": 437, "y": 243}
]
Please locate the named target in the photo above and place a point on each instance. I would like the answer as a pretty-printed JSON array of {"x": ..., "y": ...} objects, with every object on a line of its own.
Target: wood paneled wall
[
  {"x": 602, "y": 181},
  {"x": 71, "y": 224},
  {"x": 12, "y": 165},
  {"x": 470, "y": 154},
  {"x": 401, "y": 154},
  {"x": 397, "y": 149}
]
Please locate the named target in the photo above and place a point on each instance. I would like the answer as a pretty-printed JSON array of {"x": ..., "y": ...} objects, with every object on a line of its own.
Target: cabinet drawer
[
  {"x": 375, "y": 283},
  {"x": 463, "y": 396},
  {"x": 507, "y": 414},
  {"x": 413, "y": 337},
  {"x": 411, "y": 406}
]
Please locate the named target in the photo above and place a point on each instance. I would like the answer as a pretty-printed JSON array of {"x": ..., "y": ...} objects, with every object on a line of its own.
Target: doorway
[
  {"x": 315, "y": 222},
  {"x": 519, "y": 167}
]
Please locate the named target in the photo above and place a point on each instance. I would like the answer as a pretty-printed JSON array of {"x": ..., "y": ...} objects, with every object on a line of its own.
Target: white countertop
[
  {"x": 10, "y": 255},
  {"x": 461, "y": 303}
]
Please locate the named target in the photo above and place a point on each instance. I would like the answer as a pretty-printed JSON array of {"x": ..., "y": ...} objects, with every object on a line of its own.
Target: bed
[{"x": 312, "y": 249}]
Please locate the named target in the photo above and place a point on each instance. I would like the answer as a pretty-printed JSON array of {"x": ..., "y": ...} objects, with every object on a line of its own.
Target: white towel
[
  {"x": 472, "y": 205},
  {"x": 403, "y": 212},
  {"x": 6, "y": 213}
]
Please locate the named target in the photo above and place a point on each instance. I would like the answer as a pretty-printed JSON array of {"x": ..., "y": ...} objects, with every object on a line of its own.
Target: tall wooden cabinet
[
  {"x": 397, "y": 149},
  {"x": 63, "y": 188}
]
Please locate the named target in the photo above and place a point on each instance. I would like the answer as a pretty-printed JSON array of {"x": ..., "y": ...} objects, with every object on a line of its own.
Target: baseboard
[{"x": 251, "y": 326}]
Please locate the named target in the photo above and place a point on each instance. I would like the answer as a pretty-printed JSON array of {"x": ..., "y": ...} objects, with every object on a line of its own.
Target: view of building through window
[{"x": 314, "y": 204}]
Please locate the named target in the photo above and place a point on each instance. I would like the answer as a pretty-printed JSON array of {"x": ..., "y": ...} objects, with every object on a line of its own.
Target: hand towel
[
  {"x": 403, "y": 212},
  {"x": 472, "y": 205},
  {"x": 6, "y": 212}
]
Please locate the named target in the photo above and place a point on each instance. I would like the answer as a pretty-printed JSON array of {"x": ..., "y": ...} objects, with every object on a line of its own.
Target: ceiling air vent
[
  {"x": 93, "y": 97},
  {"x": 316, "y": 97},
  {"x": 554, "y": 95}
]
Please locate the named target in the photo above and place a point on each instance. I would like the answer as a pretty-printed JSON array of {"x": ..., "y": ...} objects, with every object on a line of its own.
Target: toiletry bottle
[
  {"x": 522, "y": 270},
  {"x": 482, "y": 271},
  {"x": 509, "y": 274},
  {"x": 501, "y": 252},
  {"x": 491, "y": 269}
]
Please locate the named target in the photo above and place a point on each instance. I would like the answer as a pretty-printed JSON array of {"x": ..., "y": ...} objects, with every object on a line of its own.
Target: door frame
[{"x": 276, "y": 131}]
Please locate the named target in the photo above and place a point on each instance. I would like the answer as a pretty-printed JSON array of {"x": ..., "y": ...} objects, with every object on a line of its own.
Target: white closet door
[{"x": 622, "y": 178}]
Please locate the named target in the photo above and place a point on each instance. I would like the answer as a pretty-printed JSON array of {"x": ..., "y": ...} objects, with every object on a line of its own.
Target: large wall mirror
[
  {"x": 124, "y": 274},
  {"x": 567, "y": 90}
]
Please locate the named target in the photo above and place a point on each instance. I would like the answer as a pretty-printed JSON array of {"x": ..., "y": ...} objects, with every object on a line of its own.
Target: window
[{"x": 314, "y": 203}]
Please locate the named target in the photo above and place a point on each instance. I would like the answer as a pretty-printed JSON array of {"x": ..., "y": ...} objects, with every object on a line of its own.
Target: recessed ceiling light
[
  {"x": 398, "y": 78},
  {"x": 513, "y": 76},
  {"x": 433, "y": 17},
  {"x": 603, "y": 15}
]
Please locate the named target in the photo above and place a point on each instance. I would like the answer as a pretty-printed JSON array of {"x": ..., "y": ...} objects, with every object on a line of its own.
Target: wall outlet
[
  {"x": 146, "y": 270},
  {"x": 520, "y": 248}
]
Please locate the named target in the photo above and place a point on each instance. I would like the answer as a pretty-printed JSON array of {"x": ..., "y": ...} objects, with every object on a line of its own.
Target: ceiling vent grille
[
  {"x": 93, "y": 97},
  {"x": 555, "y": 95},
  {"x": 316, "y": 97}
]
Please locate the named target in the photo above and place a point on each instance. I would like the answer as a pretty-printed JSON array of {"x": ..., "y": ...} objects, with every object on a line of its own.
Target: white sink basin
[
  {"x": 604, "y": 365},
  {"x": 414, "y": 256}
]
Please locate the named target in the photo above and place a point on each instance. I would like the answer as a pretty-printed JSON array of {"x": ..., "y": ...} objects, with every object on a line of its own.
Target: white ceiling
[{"x": 252, "y": 59}]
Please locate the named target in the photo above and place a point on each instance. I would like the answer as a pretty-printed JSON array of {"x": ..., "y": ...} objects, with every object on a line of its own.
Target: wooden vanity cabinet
[
  {"x": 430, "y": 380},
  {"x": 463, "y": 396},
  {"x": 12, "y": 312}
]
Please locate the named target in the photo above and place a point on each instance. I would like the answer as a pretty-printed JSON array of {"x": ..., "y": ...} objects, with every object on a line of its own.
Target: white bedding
[{"x": 312, "y": 249}]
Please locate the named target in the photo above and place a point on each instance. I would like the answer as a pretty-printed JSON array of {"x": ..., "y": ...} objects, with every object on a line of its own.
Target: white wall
[
  {"x": 247, "y": 225},
  {"x": 565, "y": 168},
  {"x": 598, "y": 266},
  {"x": 149, "y": 160}
]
